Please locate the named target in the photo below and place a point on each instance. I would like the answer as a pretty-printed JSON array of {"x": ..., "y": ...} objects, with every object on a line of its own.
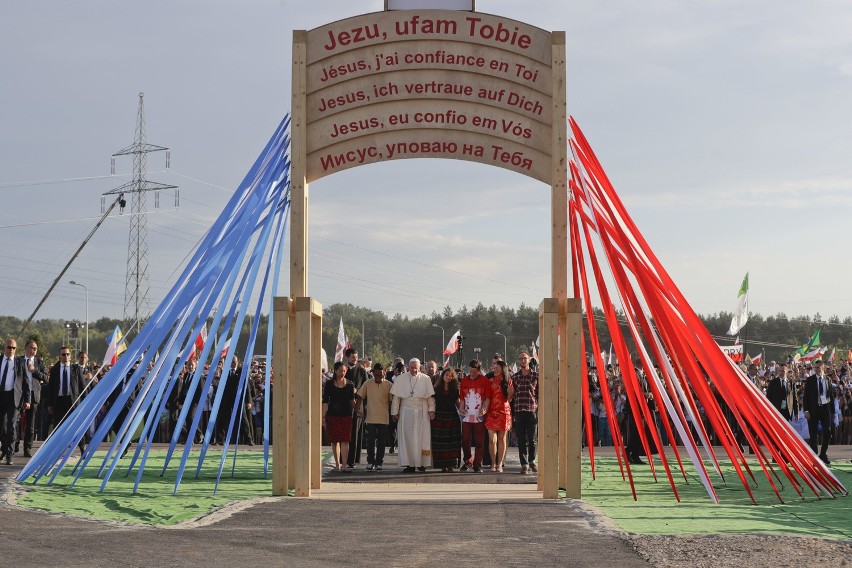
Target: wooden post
[
  {"x": 559, "y": 176},
  {"x": 298, "y": 222},
  {"x": 559, "y": 232},
  {"x": 281, "y": 341},
  {"x": 302, "y": 408},
  {"x": 571, "y": 346},
  {"x": 548, "y": 408},
  {"x": 316, "y": 396},
  {"x": 298, "y": 165}
]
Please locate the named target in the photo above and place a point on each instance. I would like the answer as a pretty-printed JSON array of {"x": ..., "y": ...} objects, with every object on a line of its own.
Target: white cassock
[{"x": 413, "y": 400}]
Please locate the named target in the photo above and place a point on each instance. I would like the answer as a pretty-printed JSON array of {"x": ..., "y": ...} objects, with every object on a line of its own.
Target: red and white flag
[
  {"x": 225, "y": 348},
  {"x": 199, "y": 342},
  {"x": 833, "y": 356},
  {"x": 814, "y": 353},
  {"x": 453, "y": 345}
]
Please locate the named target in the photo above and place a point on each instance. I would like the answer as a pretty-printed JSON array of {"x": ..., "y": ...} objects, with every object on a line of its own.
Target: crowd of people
[
  {"x": 35, "y": 398},
  {"x": 446, "y": 419},
  {"x": 815, "y": 397}
]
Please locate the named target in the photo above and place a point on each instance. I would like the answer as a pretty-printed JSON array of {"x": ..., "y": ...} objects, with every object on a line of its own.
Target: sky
[{"x": 724, "y": 126}]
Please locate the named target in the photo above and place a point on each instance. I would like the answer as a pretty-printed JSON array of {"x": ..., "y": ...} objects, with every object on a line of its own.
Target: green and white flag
[{"x": 741, "y": 312}]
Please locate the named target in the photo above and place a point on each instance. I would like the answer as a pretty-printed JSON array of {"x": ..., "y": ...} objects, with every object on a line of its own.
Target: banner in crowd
[{"x": 735, "y": 352}]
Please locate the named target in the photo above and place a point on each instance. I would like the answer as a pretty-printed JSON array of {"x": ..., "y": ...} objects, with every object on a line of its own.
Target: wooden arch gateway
[{"x": 425, "y": 83}]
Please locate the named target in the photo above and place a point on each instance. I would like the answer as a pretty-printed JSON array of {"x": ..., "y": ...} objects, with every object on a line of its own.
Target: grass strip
[
  {"x": 154, "y": 502},
  {"x": 656, "y": 511}
]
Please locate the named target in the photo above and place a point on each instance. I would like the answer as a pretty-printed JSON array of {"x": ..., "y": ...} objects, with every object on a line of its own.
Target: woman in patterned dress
[
  {"x": 498, "y": 421},
  {"x": 446, "y": 427}
]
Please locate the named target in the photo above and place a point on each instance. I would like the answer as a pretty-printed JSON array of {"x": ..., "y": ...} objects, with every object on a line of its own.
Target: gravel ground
[{"x": 723, "y": 551}]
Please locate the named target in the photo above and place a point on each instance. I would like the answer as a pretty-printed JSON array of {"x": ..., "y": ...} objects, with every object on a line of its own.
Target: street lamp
[
  {"x": 73, "y": 283},
  {"x": 477, "y": 351},
  {"x": 441, "y": 350},
  {"x": 505, "y": 354},
  {"x": 363, "y": 341},
  {"x": 424, "y": 355}
]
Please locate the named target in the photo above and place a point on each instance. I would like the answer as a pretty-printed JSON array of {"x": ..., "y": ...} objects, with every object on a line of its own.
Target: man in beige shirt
[{"x": 377, "y": 393}]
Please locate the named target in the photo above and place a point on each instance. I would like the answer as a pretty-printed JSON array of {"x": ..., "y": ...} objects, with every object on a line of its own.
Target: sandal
[{"x": 499, "y": 469}]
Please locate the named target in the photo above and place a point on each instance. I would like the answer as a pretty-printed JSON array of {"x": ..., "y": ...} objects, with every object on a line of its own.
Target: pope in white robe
[{"x": 412, "y": 408}]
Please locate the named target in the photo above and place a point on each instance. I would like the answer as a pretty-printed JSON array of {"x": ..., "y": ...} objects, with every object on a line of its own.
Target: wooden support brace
[
  {"x": 548, "y": 408},
  {"x": 281, "y": 357}
]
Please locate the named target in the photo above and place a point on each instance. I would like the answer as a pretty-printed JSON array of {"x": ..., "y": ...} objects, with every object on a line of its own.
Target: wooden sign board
[{"x": 429, "y": 84}]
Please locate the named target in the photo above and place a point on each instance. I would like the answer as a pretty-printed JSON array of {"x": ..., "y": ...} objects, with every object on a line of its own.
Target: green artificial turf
[
  {"x": 656, "y": 511},
  {"x": 154, "y": 502}
]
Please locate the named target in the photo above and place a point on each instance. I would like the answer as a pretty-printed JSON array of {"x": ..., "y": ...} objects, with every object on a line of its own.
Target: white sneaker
[
  {"x": 379, "y": 467},
  {"x": 370, "y": 467}
]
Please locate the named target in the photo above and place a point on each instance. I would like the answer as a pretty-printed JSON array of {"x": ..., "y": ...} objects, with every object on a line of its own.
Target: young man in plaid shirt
[{"x": 525, "y": 417}]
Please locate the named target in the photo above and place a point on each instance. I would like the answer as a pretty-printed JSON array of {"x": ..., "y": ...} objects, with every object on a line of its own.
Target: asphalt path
[{"x": 325, "y": 532}]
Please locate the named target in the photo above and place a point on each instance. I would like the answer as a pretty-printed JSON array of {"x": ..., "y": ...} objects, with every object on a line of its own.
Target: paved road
[{"x": 313, "y": 532}]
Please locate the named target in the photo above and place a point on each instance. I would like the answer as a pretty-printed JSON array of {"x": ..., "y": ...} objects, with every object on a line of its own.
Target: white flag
[
  {"x": 741, "y": 312},
  {"x": 341, "y": 343}
]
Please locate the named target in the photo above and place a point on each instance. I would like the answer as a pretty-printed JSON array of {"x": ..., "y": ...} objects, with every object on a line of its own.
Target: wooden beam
[
  {"x": 548, "y": 408},
  {"x": 571, "y": 347},
  {"x": 298, "y": 165},
  {"x": 302, "y": 407},
  {"x": 316, "y": 396},
  {"x": 559, "y": 173},
  {"x": 280, "y": 398}
]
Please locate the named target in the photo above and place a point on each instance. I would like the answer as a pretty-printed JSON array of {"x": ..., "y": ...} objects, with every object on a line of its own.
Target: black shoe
[
  {"x": 635, "y": 460},
  {"x": 409, "y": 469},
  {"x": 477, "y": 469},
  {"x": 9, "y": 459},
  {"x": 250, "y": 443},
  {"x": 465, "y": 467},
  {"x": 825, "y": 459},
  {"x": 421, "y": 469},
  {"x": 27, "y": 453}
]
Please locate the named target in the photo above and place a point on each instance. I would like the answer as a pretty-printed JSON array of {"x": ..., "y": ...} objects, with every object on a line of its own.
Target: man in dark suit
[
  {"x": 357, "y": 375},
  {"x": 64, "y": 388},
  {"x": 37, "y": 377},
  {"x": 231, "y": 383},
  {"x": 14, "y": 396},
  {"x": 818, "y": 403},
  {"x": 779, "y": 391}
]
